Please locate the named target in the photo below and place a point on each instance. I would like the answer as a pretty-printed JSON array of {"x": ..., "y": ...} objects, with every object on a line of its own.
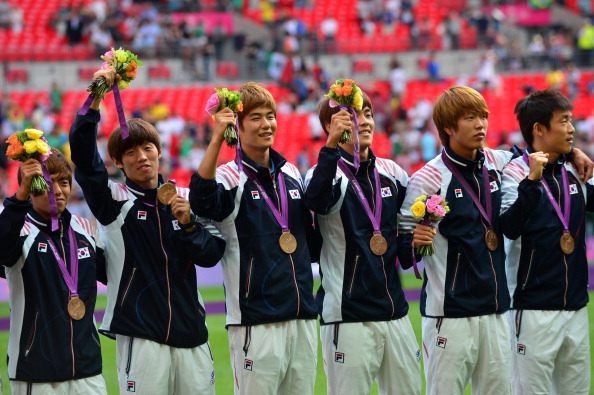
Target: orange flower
[
  {"x": 13, "y": 139},
  {"x": 347, "y": 89},
  {"x": 131, "y": 74},
  {"x": 348, "y": 82},
  {"x": 14, "y": 149},
  {"x": 239, "y": 107},
  {"x": 338, "y": 90}
]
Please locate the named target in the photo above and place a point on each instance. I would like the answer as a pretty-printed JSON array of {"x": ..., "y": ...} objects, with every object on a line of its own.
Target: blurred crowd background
[{"x": 404, "y": 53}]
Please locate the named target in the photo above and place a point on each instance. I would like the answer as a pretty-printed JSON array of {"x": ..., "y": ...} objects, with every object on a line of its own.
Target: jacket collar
[
  {"x": 464, "y": 164},
  {"x": 263, "y": 172},
  {"x": 45, "y": 225},
  {"x": 349, "y": 160},
  {"x": 147, "y": 195}
]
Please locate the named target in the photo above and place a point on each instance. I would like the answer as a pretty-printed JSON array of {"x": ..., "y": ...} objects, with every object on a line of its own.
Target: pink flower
[
  {"x": 105, "y": 65},
  {"x": 436, "y": 198},
  {"x": 441, "y": 211},
  {"x": 108, "y": 55},
  {"x": 213, "y": 103},
  {"x": 431, "y": 206}
]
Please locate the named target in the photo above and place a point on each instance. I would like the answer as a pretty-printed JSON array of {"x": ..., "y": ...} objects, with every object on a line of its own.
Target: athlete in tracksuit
[
  {"x": 50, "y": 351},
  {"x": 464, "y": 295},
  {"x": 365, "y": 330},
  {"x": 268, "y": 291},
  {"x": 548, "y": 286},
  {"x": 154, "y": 309}
]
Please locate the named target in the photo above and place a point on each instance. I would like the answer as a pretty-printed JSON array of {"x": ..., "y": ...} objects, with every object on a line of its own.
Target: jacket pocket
[
  {"x": 453, "y": 287},
  {"x": 32, "y": 334},
  {"x": 528, "y": 270},
  {"x": 248, "y": 280},
  {"x": 354, "y": 273},
  {"x": 128, "y": 286}
]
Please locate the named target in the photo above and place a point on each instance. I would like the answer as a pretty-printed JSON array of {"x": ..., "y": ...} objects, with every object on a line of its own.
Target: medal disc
[
  {"x": 378, "y": 244},
  {"x": 288, "y": 242},
  {"x": 491, "y": 240},
  {"x": 166, "y": 192},
  {"x": 567, "y": 243},
  {"x": 76, "y": 308}
]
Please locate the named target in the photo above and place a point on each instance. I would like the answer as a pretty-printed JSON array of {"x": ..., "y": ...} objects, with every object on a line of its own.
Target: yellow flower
[
  {"x": 121, "y": 56},
  {"x": 30, "y": 146},
  {"x": 33, "y": 133},
  {"x": 421, "y": 198},
  {"x": 123, "y": 84},
  {"x": 42, "y": 146},
  {"x": 358, "y": 101},
  {"x": 418, "y": 210}
]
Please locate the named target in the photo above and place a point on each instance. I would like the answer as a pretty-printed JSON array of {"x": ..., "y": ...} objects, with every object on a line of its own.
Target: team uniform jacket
[
  {"x": 263, "y": 284},
  {"x": 463, "y": 278},
  {"x": 45, "y": 344},
  {"x": 152, "y": 290},
  {"x": 540, "y": 275},
  {"x": 357, "y": 285}
]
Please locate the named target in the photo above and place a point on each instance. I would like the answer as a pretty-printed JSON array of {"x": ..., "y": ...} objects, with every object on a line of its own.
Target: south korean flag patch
[
  {"x": 294, "y": 193},
  {"x": 573, "y": 189},
  {"x": 83, "y": 252},
  {"x": 386, "y": 192},
  {"x": 493, "y": 186}
]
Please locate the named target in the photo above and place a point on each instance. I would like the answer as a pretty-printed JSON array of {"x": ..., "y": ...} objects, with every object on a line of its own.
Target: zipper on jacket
[
  {"x": 386, "y": 284},
  {"x": 478, "y": 185},
  {"x": 249, "y": 278},
  {"x": 128, "y": 286},
  {"x": 354, "y": 272},
  {"x": 528, "y": 271},
  {"x": 166, "y": 272},
  {"x": 33, "y": 333},
  {"x": 455, "y": 273},
  {"x": 296, "y": 286},
  {"x": 72, "y": 347}
]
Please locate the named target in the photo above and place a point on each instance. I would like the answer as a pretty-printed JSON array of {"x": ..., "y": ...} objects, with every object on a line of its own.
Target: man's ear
[
  {"x": 118, "y": 164},
  {"x": 538, "y": 129},
  {"x": 449, "y": 131}
]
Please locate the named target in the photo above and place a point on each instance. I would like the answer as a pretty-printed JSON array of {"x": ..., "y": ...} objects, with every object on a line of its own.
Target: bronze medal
[
  {"x": 166, "y": 192},
  {"x": 76, "y": 308},
  {"x": 378, "y": 244},
  {"x": 567, "y": 243},
  {"x": 288, "y": 242},
  {"x": 491, "y": 239}
]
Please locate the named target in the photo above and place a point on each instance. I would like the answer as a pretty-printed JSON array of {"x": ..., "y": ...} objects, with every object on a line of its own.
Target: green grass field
[{"x": 220, "y": 348}]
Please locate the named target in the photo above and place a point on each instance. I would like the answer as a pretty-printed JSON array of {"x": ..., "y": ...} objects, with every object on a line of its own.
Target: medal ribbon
[
  {"x": 119, "y": 108},
  {"x": 451, "y": 167},
  {"x": 71, "y": 279},
  {"x": 51, "y": 196},
  {"x": 356, "y": 146},
  {"x": 282, "y": 217},
  {"x": 374, "y": 217},
  {"x": 566, "y": 199}
]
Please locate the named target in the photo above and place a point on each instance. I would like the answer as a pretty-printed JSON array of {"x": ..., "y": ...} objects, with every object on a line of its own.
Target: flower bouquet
[
  {"x": 221, "y": 99},
  {"x": 429, "y": 209},
  {"x": 124, "y": 62},
  {"x": 30, "y": 144},
  {"x": 345, "y": 92}
]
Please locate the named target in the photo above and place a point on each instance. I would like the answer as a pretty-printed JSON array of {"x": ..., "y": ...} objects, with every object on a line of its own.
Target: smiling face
[
  {"x": 62, "y": 189},
  {"x": 366, "y": 125},
  {"x": 469, "y": 134},
  {"x": 258, "y": 129},
  {"x": 141, "y": 164}
]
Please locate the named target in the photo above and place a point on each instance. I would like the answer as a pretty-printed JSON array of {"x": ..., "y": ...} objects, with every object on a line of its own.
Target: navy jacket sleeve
[
  {"x": 204, "y": 245},
  {"x": 210, "y": 199},
  {"x": 513, "y": 220},
  {"x": 90, "y": 171},
  {"x": 321, "y": 194},
  {"x": 12, "y": 220}
]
